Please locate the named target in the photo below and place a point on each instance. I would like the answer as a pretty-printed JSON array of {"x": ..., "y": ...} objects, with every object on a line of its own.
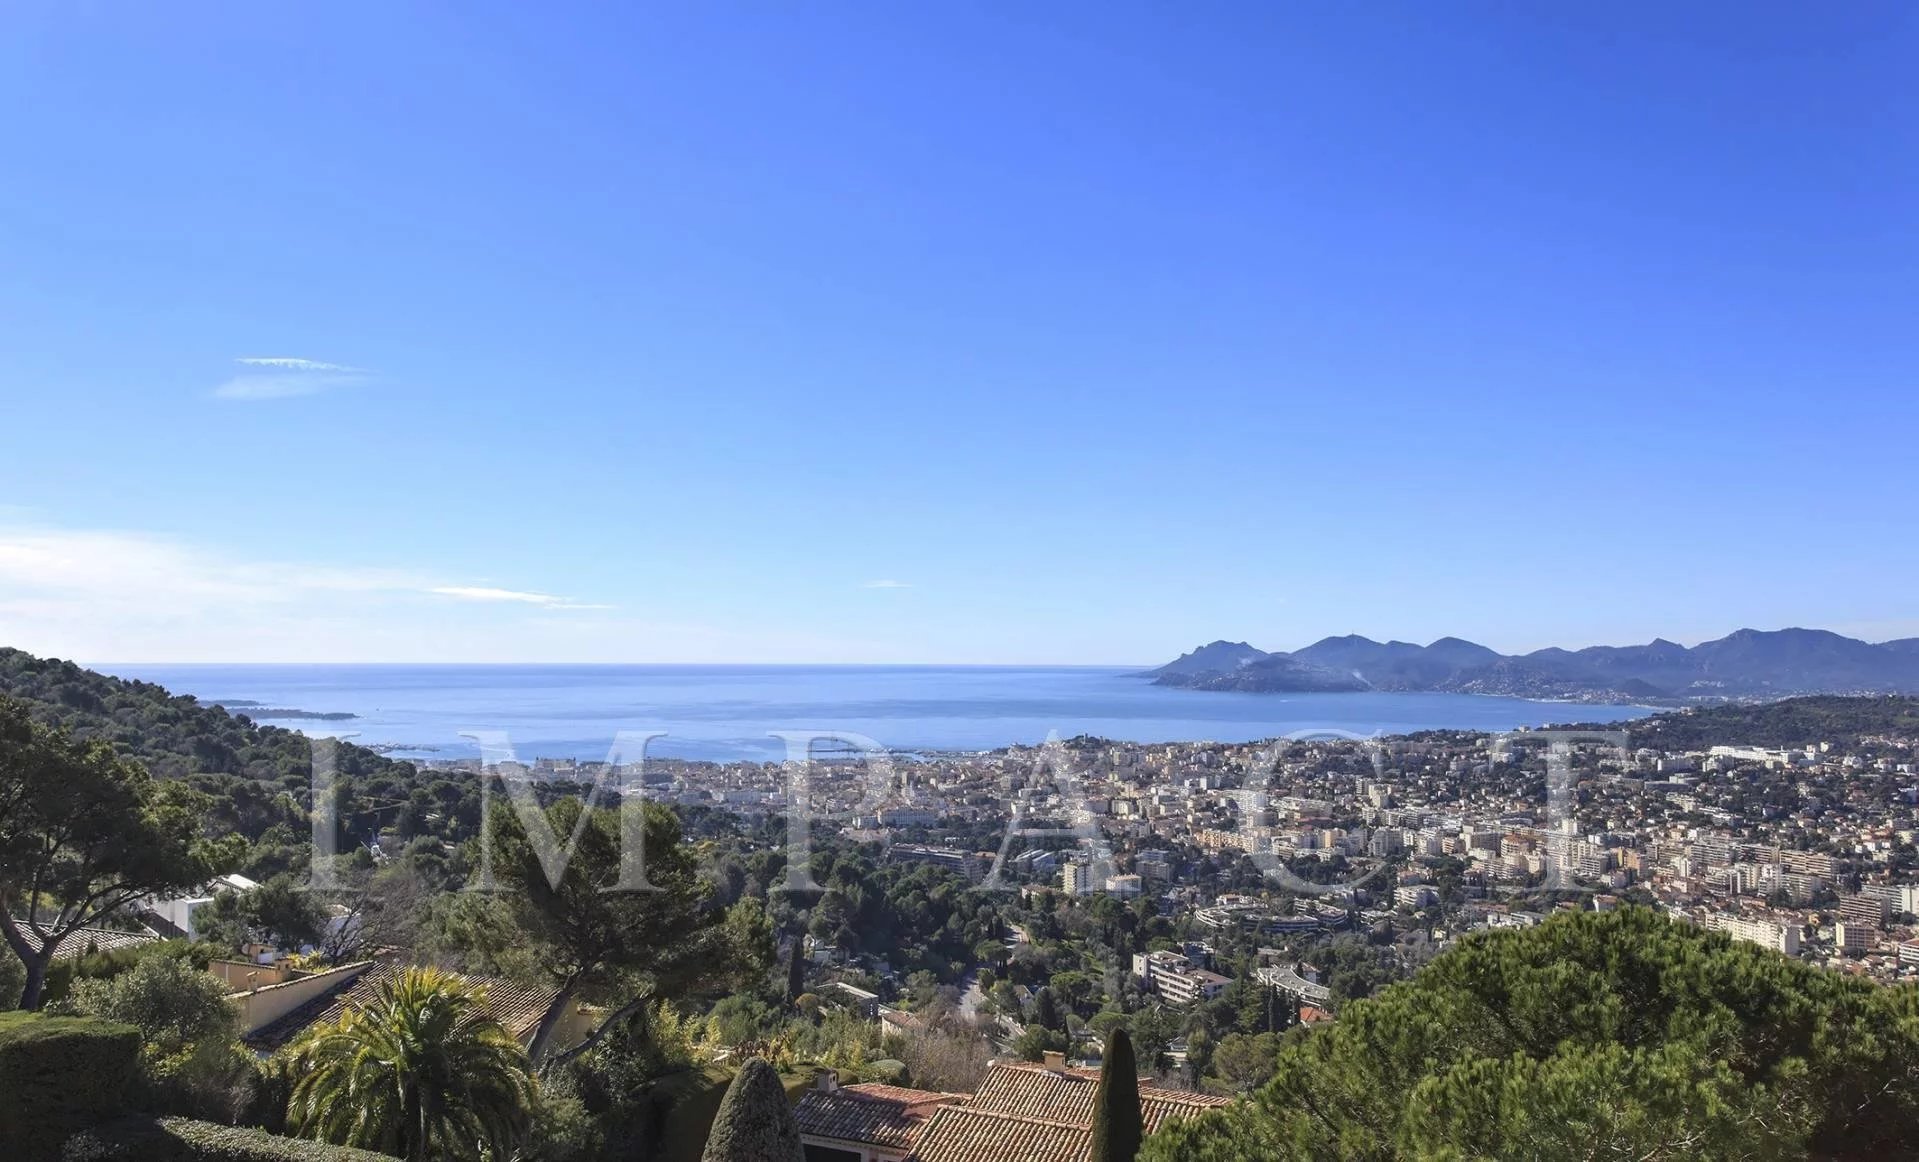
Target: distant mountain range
[{"x": 1744, "y": 665}]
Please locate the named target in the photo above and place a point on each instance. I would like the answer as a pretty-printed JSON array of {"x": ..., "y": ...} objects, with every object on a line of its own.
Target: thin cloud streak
[
  {"x": 886, "y": 583},
  {"x": 488, "y": 593},
  {"x": 285, "y": 377}
]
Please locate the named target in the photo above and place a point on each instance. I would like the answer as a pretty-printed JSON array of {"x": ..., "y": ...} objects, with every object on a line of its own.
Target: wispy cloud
[
  {"x": 120, "y": 595},
  {"x": 886, "y": 583},
  {"x": 287, "y": 363},
  {"x": 283, "y": 377},
  {"x": 488, "y": 593}
]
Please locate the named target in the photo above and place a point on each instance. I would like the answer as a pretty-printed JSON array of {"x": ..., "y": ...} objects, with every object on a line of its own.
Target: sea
[{"x": 728, "y": 713}]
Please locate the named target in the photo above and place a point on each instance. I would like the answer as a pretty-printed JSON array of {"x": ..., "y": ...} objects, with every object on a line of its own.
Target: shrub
[
  {"x": 754, "y": 1123},
  {"x": 186, "y": 1027},
  {"x": 182, "y": 1140},
  {"x": 57, "y": 1075}
]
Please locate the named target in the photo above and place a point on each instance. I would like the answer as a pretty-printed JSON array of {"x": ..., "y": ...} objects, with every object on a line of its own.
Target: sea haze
[{"x": 726, "y": 712}]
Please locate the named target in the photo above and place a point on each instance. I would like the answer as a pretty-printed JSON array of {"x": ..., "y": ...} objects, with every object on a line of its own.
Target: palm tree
[{"x": 422, "y": 1071}]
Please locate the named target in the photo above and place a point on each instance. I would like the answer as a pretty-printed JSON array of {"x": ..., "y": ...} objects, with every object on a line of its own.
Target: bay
[{"x": 726, "y": 712}]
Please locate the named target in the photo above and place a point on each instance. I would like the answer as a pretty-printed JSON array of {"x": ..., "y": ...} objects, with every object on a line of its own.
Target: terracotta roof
[
  {"x": 519, "y": 1007},
  {"x": 879, "y": 1115},
  {"x": 963, "y": 1134},
  {"x": 1035, "y": 1091},
  {"x": 1030, "y": 1113},
  {"x": 101, "y": 939}
]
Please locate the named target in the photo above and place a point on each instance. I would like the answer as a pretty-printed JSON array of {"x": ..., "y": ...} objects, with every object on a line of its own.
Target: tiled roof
[
  {"x": 520, "y": 1008},
  {"x": 1031, "y": 1113},
  {"x": 963, "y": 1134},
  {"x": 99, "y": 939},
  {"x": 1035, "y": 1091},
  {"x": 880, "y": 1115}
]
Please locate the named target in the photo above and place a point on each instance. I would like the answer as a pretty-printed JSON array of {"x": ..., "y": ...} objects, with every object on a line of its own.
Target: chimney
[
  {"x": 827, "y": 1082},
  {"x": 1056, "y": 1061}
]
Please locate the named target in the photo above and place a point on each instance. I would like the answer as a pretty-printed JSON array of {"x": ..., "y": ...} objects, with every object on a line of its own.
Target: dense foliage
[
  {"x": 185, "y": 1140},
  {"x": 1116, "y": 1114},
  {"x": 1786, "y": 723},
  {"x": 258, "y": 777},
  {"x": 754, "y": 1124},
  {"x": 422, "y": 1071},
  {"x": 1594, "y": 1035},
  {"x": 58, "y": 1075},
  {"x": 83, "y": 833}
]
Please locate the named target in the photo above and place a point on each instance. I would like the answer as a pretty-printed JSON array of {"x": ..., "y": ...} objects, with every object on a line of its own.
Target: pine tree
[
  {"x": 1117, "y": 1127},
  {"x": 754, "y": 1123}
]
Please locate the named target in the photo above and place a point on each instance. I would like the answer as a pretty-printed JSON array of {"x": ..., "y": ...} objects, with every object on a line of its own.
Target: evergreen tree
[
  {"x": 754, "y": 1123},
  {"x": 796, "y": 968},
  {"x": 1117, "y": 1125},
  {"x": 1618, "y": 1034},
  {"x": 1046, "y": 1009}
]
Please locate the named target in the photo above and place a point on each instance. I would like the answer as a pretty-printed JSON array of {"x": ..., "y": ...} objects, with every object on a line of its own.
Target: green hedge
[
  {"x": 182, "y": 1140},
  {"x": 58, "y": 1075}
]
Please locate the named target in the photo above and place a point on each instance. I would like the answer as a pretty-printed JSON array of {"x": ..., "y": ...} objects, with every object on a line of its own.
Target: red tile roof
[
  {"x": 961, "y": 1134},
  {"x": 1030, "y": 1113},
  {"x": 878, "y": 1115},
  {"x": 1067, "y": 1096}
]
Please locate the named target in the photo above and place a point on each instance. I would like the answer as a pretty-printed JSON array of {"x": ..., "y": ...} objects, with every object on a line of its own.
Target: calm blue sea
[{"x": 726, "y": 712}]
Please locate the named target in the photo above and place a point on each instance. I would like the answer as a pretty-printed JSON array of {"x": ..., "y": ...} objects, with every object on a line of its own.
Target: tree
[
  {"x": 796, "y": 968},
  {"x": 173, "y": 1004},
  {"x": 84, "y": 833},
  {"x": 187, "y": 1052},
  {"x": 1117, "y": 1123},
  {"x": 754, "y": 1123},
  {"x": 288, "y": 916},
  {"x": 596, "y": 940},
  {"x": 279, "y": 913},
  {"x": 1619, "y": 1034},
  {"x": 422, "y": 1071},
  {"x": 1245, "y": 1061},
  {"x": 1046, "y": 1012}
]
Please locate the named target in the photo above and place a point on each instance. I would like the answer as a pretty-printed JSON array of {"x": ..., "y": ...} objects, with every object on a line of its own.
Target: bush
[
  {"x": 13, "y": 978},
  {"x": 58, "y": 1075},
  {"x": 182, "y": 1140},
  {"x": 186, "y": 1028}
]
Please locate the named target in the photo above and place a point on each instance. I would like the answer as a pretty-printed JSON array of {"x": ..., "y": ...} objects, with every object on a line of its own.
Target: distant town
[{"x": 1807, "y": 849}]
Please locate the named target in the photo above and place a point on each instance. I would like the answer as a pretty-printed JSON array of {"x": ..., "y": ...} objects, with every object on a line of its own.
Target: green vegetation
[
  {"x": 185, "y": 1140},
  {"x": 420, "y": 1072},
  {"x": 188, "y": 1058},
  {"x": 1787, "y": 723},
  {"x": 1594, "y": 1035},
  {"x": 83, "y": 833},
  {"x": 257, "y": 778},
  {"x": 1117, "y": 1127},
  {"x": 59, "y": 1075},
  {"x": 754, "y": 1123}
]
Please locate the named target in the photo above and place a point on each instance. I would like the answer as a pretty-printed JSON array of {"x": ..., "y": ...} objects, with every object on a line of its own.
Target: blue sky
[{"x": 1012, "y": 333}]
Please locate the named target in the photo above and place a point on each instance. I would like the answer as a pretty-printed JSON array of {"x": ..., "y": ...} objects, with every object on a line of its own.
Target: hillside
[
  {"x": 1791, "y": 722},
  {"x": 260, "y": 775},
  {"x": 1746, "y": 664}
]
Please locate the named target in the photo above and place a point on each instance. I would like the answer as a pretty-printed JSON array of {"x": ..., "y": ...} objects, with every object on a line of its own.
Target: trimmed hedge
[
  {"x": 183, "y": 1140},
  {"x": 58, "y": 1075}
]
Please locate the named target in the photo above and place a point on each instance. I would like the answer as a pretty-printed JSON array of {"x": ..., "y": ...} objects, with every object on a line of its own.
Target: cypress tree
[
  {"x": 1117, "y": 1125},
  {"x": 796, "y": 969},
  {"x": 754, "y": 1123}
]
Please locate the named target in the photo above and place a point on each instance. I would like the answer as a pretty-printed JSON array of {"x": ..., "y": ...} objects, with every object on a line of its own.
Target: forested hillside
[
  {"x": 1788, "y": 723},
  {"x": 260, "y": 776}
]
